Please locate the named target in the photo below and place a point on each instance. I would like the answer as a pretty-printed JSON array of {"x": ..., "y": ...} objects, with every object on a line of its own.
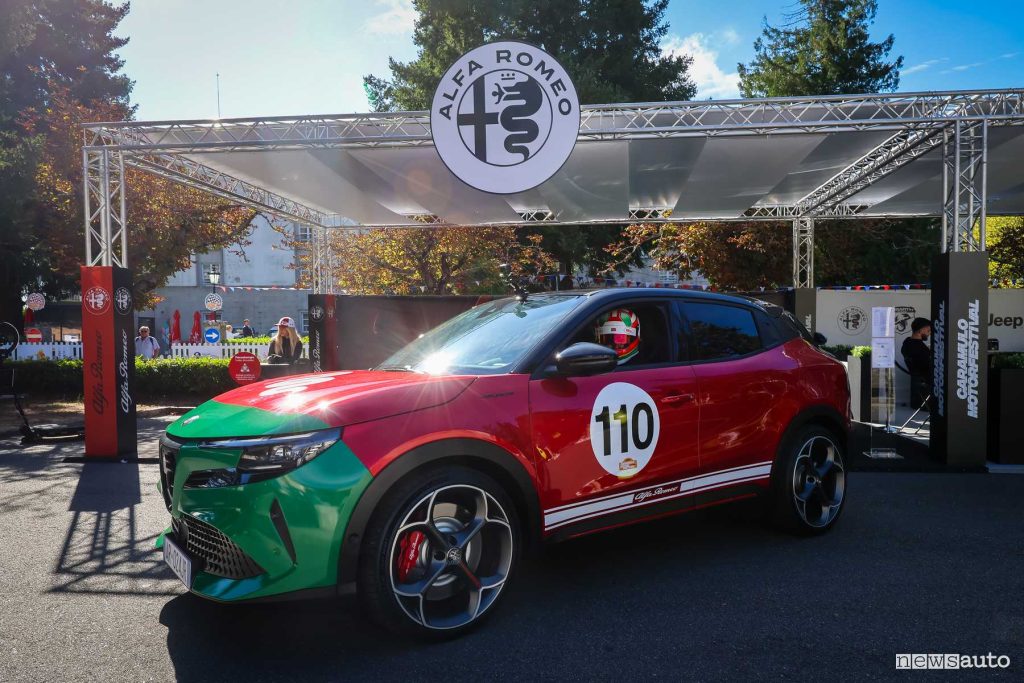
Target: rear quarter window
[{"x": 721, "y": 331}]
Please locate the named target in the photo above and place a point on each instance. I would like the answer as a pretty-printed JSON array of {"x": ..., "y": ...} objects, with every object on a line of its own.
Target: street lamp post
[{"x": 214, "y": 277}]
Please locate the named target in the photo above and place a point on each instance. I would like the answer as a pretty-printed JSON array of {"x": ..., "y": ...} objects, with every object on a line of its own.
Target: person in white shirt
[{"x": 146, "y": 346}]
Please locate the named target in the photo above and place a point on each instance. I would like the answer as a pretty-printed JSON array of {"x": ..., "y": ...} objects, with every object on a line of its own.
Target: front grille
[
  {"x": 168, "y": 461},
  {"x": 219, "y": 554}
]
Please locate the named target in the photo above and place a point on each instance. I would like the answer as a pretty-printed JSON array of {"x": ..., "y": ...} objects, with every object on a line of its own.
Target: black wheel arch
[
  {"x": 823, "y": 415},
  {"x": 489, "y": 458}
]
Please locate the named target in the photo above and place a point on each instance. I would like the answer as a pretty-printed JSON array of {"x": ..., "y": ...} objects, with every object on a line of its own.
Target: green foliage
[
  {"x": 611, "y": 48},
  {"x": 861, "y": 352},
  {"x": 199, "y": 377},
  {"x": 824, "y": 49},
  {"x": 840, "y": 351},
  {"x": 1005, "y": 238},
  {"x": 1008, "y": 361}
]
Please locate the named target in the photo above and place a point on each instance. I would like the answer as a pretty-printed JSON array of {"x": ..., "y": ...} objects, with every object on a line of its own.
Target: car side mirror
[
  {"x": 584, "y": 359},
  {"x": 820, "y": 339}
]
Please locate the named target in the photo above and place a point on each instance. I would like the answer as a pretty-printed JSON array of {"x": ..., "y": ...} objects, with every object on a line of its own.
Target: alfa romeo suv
[{"x": 421, "y": 484}]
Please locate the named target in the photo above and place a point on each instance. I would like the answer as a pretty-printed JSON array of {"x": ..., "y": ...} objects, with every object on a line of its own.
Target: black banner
[
  {"x": 959, "y": 354},
  {"x": 323, "y": 333}
]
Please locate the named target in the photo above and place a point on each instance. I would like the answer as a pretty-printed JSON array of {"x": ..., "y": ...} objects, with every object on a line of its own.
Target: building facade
[{"x": 257, "y": 281}]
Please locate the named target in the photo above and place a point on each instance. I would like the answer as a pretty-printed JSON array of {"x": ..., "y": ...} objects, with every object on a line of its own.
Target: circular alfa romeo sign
[{"x": 505, "y": 117}]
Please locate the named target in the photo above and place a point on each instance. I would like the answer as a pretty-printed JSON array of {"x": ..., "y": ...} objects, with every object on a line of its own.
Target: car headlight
[{"x": 263, "y": 457}]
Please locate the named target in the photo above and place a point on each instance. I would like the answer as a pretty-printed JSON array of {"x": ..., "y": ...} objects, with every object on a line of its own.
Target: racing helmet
[{"x": 619, "y": 330}]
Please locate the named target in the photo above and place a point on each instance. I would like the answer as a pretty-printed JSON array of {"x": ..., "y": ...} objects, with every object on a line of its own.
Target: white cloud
[
  {"x": 927, "y": 64},
  {"x": 396, "y": 17},
  {"x": 712, "y": 81}
]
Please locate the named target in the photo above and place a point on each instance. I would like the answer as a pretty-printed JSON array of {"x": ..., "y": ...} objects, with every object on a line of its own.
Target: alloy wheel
[
  {"x": 819, "y": 482},
  {"x": 451, "y": 556}
]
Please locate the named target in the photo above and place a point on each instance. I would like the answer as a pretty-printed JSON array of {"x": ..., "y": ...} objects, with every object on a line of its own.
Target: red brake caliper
[{"x": 410, "y": 553}]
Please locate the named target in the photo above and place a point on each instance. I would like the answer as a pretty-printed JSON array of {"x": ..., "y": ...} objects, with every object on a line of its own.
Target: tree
[
  {"x": 1005, "y": 237},
  {"x": 433, "y": 260},
  {"x": 59, "y": 69},
  {"x": 749, "y": 255},
  {"x": 611, "y": 49},
  {"x": 824, "y": 50}
]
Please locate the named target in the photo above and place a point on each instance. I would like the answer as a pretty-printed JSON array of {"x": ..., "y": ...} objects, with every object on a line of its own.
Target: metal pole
[
  {"x": 123, "y": 210},
  {"x": 983, "y": 200},
  {"x": 945, "y": 190},
  {"x": 88, "y": 207},
  {"x": 958, "y": 181}
]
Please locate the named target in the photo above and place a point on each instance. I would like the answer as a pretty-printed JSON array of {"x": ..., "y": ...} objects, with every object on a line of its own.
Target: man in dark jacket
[
  {"x": 247, "y": 329},
  {"x": 918, "y": 357}
]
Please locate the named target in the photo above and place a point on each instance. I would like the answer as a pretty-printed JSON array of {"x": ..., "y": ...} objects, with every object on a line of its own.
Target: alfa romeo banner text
[{"x": 108, "y": 352}]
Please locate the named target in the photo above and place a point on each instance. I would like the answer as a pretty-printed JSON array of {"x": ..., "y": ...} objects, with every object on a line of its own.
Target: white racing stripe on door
[{"x": 574, "y": 512}]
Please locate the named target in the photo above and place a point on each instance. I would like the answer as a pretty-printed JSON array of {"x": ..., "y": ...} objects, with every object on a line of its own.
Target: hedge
[{"x": 200, "y": 377}]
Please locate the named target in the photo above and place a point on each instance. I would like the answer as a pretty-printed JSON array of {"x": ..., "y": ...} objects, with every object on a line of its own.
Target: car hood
[{"x": 316, "y": 401}]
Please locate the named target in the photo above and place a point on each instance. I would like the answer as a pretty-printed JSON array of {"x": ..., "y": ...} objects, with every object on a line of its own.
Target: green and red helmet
[{"x": 619, "y": 330}]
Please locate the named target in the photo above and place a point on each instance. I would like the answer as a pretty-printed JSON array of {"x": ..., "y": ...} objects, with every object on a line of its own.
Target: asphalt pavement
[{"x": 919, "y": 563}]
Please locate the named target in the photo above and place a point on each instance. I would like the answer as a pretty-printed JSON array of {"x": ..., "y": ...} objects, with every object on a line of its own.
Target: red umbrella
[
  {"x": 196, "y": 337},
  {"x": 29, "y": 317},
  {"x": 176, "y": 327}
]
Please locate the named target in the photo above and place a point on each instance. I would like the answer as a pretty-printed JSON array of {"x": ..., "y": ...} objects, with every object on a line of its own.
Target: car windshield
[{"x": 485, "y": 340}]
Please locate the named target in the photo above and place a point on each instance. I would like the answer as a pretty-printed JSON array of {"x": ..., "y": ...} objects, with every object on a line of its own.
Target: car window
[
  {"x": 612, "y": 328},
  {"x": 486, "y": 339},
  {"x": 720, "y": 331}
]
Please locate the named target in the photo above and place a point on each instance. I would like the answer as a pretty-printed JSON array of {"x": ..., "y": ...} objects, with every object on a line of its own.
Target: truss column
[
  {"x": 321, "y": 274},
  {"x": 106, "y": 238},
  {"x": 964, "y": 185},
  {"x": 803, "y": 252}
]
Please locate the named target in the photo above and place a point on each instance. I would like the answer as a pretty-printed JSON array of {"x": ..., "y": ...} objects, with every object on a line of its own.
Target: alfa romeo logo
[
  {"x": 96, "y": 300},
  {"x": 851, "y": 319},
  {"x": 123, "y": 300},
  {"x": 505, "y": 117},
  {"x": 453, "y": 557},
  {"x": 316, "y": 312}
]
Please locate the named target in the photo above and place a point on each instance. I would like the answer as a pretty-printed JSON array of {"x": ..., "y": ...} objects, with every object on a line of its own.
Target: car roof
[{"x": 612, "y": 293}]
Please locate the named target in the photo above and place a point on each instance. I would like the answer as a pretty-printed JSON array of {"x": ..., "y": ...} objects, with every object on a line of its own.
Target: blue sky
[{"x": 308, "y": 56}]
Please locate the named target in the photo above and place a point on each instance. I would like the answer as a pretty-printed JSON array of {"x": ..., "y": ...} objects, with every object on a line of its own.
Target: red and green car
[{"x": 420, "y": 484}]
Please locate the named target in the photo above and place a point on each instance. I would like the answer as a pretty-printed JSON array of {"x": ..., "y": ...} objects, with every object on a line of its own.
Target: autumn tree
[
  {"x": 433, "y": 260},
  {"x": 59, "y": 67},
  {"x": 1005, "y": 237}
]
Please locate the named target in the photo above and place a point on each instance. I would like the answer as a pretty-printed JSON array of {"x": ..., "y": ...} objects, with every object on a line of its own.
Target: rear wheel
[
  {"x": 809, "y": 482},
  {"x": 440, "y": 552}
]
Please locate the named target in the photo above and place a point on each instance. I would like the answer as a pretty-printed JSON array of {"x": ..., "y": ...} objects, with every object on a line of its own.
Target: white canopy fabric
[{"x": 725, "y": 160}]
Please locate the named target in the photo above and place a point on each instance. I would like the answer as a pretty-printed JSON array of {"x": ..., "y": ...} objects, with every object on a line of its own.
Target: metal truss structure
[
  {"x": 803, "y": 252},
  {"x": 919, "y": 122},
  {"x": 964, "y": 185}
]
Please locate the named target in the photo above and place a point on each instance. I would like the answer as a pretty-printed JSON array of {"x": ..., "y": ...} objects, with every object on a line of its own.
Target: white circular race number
[{"x": 624, "y": 428}]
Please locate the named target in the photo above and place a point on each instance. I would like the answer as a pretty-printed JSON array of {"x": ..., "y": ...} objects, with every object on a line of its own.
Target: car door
[
  {"x": 611, "y": 446},
  {"x": 737, "y": 389}
]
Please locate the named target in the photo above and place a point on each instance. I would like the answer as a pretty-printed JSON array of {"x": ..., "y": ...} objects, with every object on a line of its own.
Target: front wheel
[
  {"x": 808, "y": 486},
  {"x": 439, "y": 553}
]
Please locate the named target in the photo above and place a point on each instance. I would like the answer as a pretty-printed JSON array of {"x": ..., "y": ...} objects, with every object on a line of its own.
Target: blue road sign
[{"x": 212, "y": 335}]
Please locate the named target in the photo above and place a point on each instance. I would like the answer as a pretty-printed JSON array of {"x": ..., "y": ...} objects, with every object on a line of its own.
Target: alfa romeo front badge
[{"x": 505, "y": 117}]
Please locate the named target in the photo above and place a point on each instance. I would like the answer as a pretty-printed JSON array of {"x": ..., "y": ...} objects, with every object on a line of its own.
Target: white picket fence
[
  {"x": 222, "y": 350},
  {"x": 54, "y": 350},
  {"x": 48, "y": 351}
]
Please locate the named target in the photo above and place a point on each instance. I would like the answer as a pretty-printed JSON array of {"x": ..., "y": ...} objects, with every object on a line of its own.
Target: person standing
[
  {"x": 286, "y": 346},
  {"x": 146, "y": 346},
  {"x": 918, "y": 357},
  {"x": 246, "y": 330}
]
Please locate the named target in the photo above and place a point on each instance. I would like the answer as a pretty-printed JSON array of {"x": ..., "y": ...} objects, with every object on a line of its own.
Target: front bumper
[{"x": 265, "y": 538}]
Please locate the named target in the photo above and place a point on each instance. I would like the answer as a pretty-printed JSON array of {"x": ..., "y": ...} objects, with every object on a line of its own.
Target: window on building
[
  {"x": 721, "y": 331},
  {"x": 303, "y": 233},
  {"x": 212, "y": 273},
  {"x": 304, "y": 322}
]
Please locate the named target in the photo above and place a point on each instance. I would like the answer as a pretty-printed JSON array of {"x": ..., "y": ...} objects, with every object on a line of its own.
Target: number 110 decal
[{"x": 624, "y": 428}]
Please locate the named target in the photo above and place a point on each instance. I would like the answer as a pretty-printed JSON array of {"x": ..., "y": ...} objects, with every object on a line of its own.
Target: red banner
[{"x": 108, "y": 353}]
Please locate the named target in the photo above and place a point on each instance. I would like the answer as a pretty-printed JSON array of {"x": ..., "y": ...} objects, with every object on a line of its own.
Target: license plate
[{"x": 178, "y": 561}]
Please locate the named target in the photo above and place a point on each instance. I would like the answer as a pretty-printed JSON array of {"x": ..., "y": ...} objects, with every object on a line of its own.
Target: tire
[
  {"x": 808, "y": 485},
  {"x": 442, "y": 583}
]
